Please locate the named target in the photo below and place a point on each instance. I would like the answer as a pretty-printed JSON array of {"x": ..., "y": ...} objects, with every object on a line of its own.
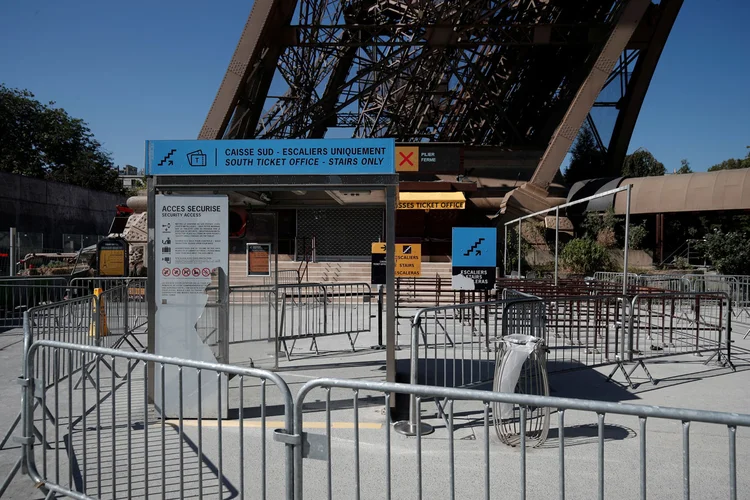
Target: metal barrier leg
[
  {"x": 628, "y": 374},
  {"x": 10, "y": 431},
  {"x": 351, "y": 342},
  {"x": 11, "y": 475}
]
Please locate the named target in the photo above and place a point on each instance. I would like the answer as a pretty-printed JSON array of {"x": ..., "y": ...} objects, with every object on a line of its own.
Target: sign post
[{"x": 474, "y": 258}]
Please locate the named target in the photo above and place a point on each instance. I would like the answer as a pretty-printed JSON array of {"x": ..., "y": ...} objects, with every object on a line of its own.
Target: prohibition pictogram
[{"x": 406, "y": 158}]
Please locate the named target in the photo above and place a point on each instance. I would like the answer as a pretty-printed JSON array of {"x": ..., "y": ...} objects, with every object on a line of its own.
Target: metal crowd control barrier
[
  {"x": 107, "y": 440},
  {"x": 311, "y": 311},
  {"x": 736, "y": 286},
  {"x": 677, "y": 323},
  {"x": 579, "y": 332},
  {"x": 22, "y": 293},
  {"x": 285, "y": 277},
  {"x": 612, "y": 277},
  {"x": 88, "y": 320},
  {"x": 137, "y": 305},
  {"x": 295, "y": 311},
  {"x": 441, "y": 468}
]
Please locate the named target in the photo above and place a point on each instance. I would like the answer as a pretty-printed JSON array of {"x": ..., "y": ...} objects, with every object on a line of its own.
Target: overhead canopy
[
  {"x": 699, "y": 192},
  {"x": 454, "y": 200},
  {"x": 590, "y": 187}
]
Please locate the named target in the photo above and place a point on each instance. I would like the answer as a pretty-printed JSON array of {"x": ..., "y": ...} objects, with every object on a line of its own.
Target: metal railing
[
  {"x": 104, "y": 320},
  {"x": 108, "y": 440},
  {"x": 593, "y": 331},
  {"x": 429, "y": 470},
  {"x": 311, "y": 311},
  {"x": 261, "y": 313},
  {"x": 578, "y": 332},
  {"x": 285, "y": 277},
  {"x": 20, "y": 294},
  {"x": 737, "y": 287}
]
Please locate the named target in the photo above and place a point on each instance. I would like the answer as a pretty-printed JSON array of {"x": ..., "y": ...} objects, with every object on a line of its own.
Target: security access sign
[
  {"x": 408, "y": 262},
  {"x": 474, "y": 258}
]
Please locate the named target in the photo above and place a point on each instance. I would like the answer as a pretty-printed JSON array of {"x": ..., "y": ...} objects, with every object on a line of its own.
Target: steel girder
[{"x": 479, "y": 72}]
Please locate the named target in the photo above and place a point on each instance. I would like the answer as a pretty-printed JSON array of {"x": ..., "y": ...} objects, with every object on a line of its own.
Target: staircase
[{"x": 328, "y": 272}]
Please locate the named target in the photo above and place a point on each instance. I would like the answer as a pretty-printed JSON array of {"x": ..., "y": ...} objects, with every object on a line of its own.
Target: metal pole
[
  {"x": 277, "y": 343},
  {"x": 391, "y": 192},
  {"x": 627, "y": 244},
  {"x": 151, "y": 281},
  {"x": 223, "y": 315},
  {"x": 626, "y": 320},
  {"x": 410, "y": 427},
  {"x": 505, "y": 252},
  {"x": 557, "y": 240},
  {"x": 13, "y": 251},
  {"x": 519, "y": 248},
  {"x": 380, "y": 319}
]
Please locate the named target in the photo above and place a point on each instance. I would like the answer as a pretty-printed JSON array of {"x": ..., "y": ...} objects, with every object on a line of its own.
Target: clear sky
[{"x": 137, "y": 70}]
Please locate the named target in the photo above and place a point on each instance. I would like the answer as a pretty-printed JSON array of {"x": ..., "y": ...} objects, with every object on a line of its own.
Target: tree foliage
[
  {"x": 584, "y": 256},
  {"x": 732, "y": 164},
  {"x": 637, "y": 235},
  {"x": 587, "y": 160},
  {"x": 39, "y": 140},
  {"x": 729, "y": 252},
  {"x": 684, "y": 167},
  {"x": 512, "y": 264},
  {"x": 641, "y": 163}
]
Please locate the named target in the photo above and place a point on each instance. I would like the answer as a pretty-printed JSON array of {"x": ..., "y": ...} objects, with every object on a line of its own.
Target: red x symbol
[{"x": 405, "y": 159}]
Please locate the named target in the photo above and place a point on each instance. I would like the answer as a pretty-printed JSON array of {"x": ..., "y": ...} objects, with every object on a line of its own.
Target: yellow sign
[
  {"x": 378, "y": 248},
  {"x": 431, "y": 201},
  {"x": 409, "y": 260},
  {"x": 111, "y": 262},
  {"x": 407, "y": 159}
]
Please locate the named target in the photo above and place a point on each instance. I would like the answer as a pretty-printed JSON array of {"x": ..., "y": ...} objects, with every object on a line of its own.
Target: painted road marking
[{"x": 256, "y": 424}]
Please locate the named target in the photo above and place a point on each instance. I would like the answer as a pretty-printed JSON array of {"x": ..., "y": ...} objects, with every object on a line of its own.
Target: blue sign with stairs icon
[{"x": 474, "y": 247}]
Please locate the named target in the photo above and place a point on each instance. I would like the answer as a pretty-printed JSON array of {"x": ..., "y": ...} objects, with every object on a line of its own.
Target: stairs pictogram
[
  {"x": 171, "y": 162},
  {"x": 473, "y": 247}
]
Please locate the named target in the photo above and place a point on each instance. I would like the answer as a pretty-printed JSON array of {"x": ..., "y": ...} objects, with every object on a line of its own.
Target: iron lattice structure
[{"x": 477, "y": 72}]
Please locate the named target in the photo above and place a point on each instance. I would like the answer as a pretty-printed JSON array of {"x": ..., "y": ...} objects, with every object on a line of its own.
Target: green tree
[
  {"x": 584, "y": 256},
  {"x": 731, "y": 164},
  {"x": 684, "y": 167},
  {"x": 641, "y": 163},
  {"x": 587, "y": 160},
  {"x": 39, "y": 140},
  {"x": 728, "y": 252}
]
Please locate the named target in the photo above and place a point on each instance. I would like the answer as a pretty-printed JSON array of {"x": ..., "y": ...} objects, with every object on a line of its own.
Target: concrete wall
[{"x": 53, "y": 208}]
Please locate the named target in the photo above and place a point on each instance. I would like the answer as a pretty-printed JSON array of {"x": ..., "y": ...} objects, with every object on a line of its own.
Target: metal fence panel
[
  {"x": 107, "y": 440},
  {"x": 452, "y": 466},
  {"x": 311, "y": 311},
  {"x": 20, "y": 294}
]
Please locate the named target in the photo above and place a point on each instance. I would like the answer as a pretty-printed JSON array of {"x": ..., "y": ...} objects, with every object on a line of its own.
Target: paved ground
[{"x": 104, "y": 464}]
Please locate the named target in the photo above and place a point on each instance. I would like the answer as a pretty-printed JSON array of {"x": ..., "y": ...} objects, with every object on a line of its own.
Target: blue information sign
[
  {"x": 474, "y": 247},
  {"x": 271, "y": 157}
]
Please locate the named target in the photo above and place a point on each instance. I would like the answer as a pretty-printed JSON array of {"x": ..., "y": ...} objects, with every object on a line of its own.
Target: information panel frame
[
  {"x": 248, "y": 263},
  {"x": 184, "y": 178}
]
